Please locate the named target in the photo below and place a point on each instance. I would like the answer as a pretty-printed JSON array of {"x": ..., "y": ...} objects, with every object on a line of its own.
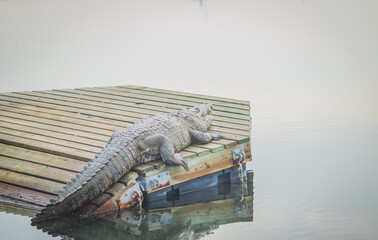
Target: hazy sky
[{"x": 309, "y": 68}]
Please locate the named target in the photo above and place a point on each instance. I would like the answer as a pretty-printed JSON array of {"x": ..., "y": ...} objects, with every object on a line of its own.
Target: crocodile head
[{"x": 198, "y": 117}]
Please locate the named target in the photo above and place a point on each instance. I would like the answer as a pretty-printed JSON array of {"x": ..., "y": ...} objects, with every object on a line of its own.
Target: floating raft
[{"x": 46, "y": 137}]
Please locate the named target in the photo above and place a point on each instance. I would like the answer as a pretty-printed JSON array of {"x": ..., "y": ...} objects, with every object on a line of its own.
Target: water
[{"x": 309, "y": 69}]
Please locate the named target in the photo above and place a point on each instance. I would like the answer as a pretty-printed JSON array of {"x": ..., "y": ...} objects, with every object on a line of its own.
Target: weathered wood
[
  {"x": 222, "y": 110},
  {"x": 62, "y": 106},
  {"x": 78, "y": 104},
  {"x": 200, "y": 96},
  {"x": 58, "y": 129},
  {"x": 217, "y": 115},
  {"x": 105, "y": 123},
  {"x": 240, "y": 139},
  {"x": 139, "y": 108},
  {"x": 188, "y": 155},
  {"x": 170, "y": 103},
  {"x": 35, "y": 169},
  {"x": 157, "y": 164},
  {"x": 54, "y": 122},
  {"x": 87, "y": 143},
  {"x": 42, "y": 158},
  {"x": 223, "y": 106},
  {"x": 198, "y": 150},
  {"x": 46, "y": 147},
  {"x": 213, "y": 146},
  {"x": 231, "y": 131},
  {"x": 115, "y": 189},
  {"x": 62, "y": 117},
  {"x": 101, "y": 107},
  {"x": 141, "y": 169},
  {"x": 33, "y": 135},
  {"x": 227, "y": 143},
  {"x": 129, "y": 177},
  {"x": 24, "y": 194},
  {"x": 31, "y": 182},
  {"x": 100, "y": 200}
]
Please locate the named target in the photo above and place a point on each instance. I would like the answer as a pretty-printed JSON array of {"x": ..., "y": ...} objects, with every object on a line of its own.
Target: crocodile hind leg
[
  {"x": 199, "y": 137},
  {"x": 166, "y": 149}
]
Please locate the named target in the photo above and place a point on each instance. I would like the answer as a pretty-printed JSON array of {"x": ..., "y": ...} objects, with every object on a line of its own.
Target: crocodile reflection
[{"x": 231, "y": 203}]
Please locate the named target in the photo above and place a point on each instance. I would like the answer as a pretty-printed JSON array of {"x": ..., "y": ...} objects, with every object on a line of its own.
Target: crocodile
[{"x": 151, "y": 138}]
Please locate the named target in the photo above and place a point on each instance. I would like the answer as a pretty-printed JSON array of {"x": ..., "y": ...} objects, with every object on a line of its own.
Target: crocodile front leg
[
  {"x": 199, "y": 137},
  {"x": 166, "y": 149}
]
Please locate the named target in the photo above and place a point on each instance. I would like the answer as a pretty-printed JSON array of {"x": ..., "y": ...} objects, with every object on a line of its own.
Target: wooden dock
[{"x": 46, "y": 137}]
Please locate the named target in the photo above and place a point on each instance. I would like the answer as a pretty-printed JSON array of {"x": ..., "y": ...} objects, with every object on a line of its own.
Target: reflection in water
[{"x": 192, "y": 221}]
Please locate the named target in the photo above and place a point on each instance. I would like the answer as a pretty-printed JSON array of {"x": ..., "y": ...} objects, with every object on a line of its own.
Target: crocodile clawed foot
[
  {"x": 178, "y": 160},
  {"x": 182, "y": 161}
]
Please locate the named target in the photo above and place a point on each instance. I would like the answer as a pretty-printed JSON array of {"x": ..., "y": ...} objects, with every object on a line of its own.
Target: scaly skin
[{"x": 148, "y": 139}]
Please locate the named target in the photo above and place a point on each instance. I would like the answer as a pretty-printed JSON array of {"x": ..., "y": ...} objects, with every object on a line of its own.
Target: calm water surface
[{"x": 309, "y": 69}]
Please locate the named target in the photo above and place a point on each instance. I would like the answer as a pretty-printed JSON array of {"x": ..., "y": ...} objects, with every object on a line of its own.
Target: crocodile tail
[{"x": 100, "y": 173}]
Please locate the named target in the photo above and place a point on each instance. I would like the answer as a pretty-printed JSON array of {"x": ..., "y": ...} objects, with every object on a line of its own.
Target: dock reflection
[{"x": 231, "y": 203}]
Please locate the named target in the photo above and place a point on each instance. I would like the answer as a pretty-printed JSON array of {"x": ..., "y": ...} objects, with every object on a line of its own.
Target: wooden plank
[
  {"x": 227, "y": 130},
  {"x": 131, "y": 113},
  {"x": 66, "y": 119},
  {"x": 150, "y": 110},
  {"x": 124, "y": 106},
  {"x": 35, "y": 169},
  {"x": 80, "y": 104},
  {"x": 157, "y": 164},
  {"x": 172, "y": 103},
  {"x": 229, "y": 136},
  {"x": 224, "y": 106},
  {"x": 200, "y": 96},
  {"x": 107, "y": 123},
  {"x": 31, "y": 182},
  {"x": 142, "y": 168},
  {"x": 52, "y": 128},
  {"x": 115, "y": 189},
  {"x": 35, "y": 101},
  {"x": 128, "y": 178},
  {"x": 227, "y": 143},
  {"x": 87, "y": 143},
  {"x": 101, "y": 199},
  {"x": 224, "y": 127},
  {"x": 24, "y": 194},
  {"x": 46, "y": 147},
  {"x": 213, "y": 146},
  {"x": 55, "y": 123},
  {"x": 41, "y": 158},
  {"x": 37, "y": 137},
  {"x": 188, "y": 155},
  {"x": 232, "y": 136},
  {"x": 220, "y": 116},
  {"x": 198, "y": 150},
  {"x": 142, "y": 108}
]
